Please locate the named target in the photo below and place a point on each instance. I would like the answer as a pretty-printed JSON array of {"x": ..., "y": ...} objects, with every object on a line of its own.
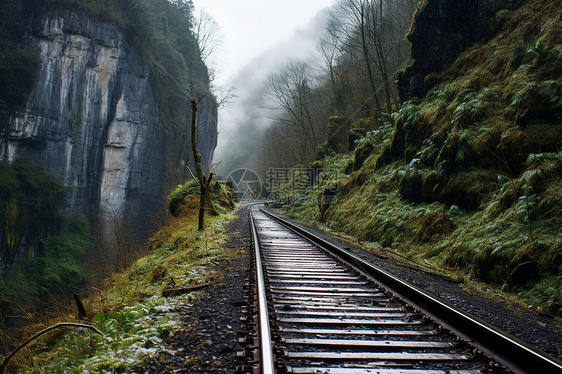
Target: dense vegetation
[
  {"x": 350, "y": 77},
  {"x": 130, "y": 308},
  {"x": 466, "y": 179},
  {"x": 53, "y": 243}
]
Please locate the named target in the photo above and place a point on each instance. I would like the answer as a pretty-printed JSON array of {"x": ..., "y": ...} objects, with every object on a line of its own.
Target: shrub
[
  {"x": 178, "y": 197},
  {"x": 186, "y": 197},
  {"x": 30, "y": 209},
  {"x": 55, "y": 270}
]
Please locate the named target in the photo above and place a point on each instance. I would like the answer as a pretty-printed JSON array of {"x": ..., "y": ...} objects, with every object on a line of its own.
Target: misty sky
[
  {"x": 258, "y": 37},
  {"x": 250, "y": 27}
]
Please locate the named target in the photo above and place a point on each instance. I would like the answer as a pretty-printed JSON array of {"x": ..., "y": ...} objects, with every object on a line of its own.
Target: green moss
[
  {"x": 54, "y": 271},
  {"x": 410, "y": 186},
  {"x": 406, "y": 130},
  {"x": 177, "y": 198},
  {"x": 185, "y": 197},
  {"x": 130, "y": 310},
  {"x": 469, "y": 189},
  {"x": 545, "y": 295},
  {"x": 362, "y": 152},
  {"x": 433, "y": 183}
]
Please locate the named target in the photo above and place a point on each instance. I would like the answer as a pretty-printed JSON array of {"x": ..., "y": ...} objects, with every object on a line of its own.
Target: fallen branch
[
  {"x": 61, "y": 324},
  {"x": 181, "y": 290}
]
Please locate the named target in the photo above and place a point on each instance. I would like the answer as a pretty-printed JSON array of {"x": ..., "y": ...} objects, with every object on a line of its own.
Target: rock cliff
[
  {"x": 441, "y": 30},
  {"x": 93, "y": 117}
]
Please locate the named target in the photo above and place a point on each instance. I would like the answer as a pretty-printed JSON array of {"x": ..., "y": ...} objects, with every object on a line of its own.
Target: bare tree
[
  {"x": 374, "y": 32},
  {"x": 208, "y": 37},
  {"x": 296, "y": 107},
  {"x": 206, "y": 33},
  {"x": 362, "y": 48},
  {"x": 339, "y": 88}
]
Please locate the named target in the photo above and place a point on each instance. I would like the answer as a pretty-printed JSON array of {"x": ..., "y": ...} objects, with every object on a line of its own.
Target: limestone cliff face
[{"x": 93, "y": 119}]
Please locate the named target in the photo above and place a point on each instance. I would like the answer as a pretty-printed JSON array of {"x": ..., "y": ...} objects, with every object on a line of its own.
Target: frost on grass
[
  {"x": 134, "y": 334},
  {"x": 135, "y": 319}
]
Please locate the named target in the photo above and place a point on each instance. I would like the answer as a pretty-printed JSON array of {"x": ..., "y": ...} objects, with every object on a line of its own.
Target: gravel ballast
[{"x": 207, "y": 341}]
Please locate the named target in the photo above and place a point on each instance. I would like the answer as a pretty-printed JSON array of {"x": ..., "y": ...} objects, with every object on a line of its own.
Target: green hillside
[{"x": 468, "y": 179}]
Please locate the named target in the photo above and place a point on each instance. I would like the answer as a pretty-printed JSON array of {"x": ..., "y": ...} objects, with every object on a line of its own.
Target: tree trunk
[
  {"x": 204, "y": 182},
  {"x": 202, "y": 208},
  {"x": 367, "y": 58}
]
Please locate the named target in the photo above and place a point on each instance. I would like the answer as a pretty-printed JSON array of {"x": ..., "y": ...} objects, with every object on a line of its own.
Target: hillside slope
[{"x": 467, "y": 179}]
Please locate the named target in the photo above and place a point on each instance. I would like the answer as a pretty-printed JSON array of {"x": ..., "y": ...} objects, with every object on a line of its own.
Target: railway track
[{"x": 319, "y": 309}]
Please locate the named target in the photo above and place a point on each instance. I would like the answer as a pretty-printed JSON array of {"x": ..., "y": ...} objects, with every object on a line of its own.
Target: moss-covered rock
[
  {"x": 362, "y": 152},
  {"x": 326, "y": 198},
  {"x": 434, "y": 224},
  {"x": 432, "y": 186},
  {"x": 405, "y": 130},
  {"x": 384, "y": 158},
  {"x": 355, "y": 180},
  {"x": 468, "y": 189},
  {"x": 354, "y": 136},
  {"x": 410, "y": 186},
  {"x": 338, "y": 129},
  {"x": 447, "y": 153},
  {"x": 186, "y": 197}
]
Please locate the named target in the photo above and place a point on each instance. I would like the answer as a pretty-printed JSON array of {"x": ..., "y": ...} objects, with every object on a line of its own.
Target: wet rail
[{"x": 319, "y": 309}]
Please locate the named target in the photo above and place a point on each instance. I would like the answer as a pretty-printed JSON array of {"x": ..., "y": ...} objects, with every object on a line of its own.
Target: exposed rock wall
[
  {"x": 93, "y": 119},
  {"x": 441, "y": 30}
]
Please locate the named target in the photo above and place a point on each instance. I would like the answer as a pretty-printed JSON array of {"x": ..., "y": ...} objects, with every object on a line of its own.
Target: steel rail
[
  {"x": 266, "y": 347},
  {"x": 506, "y": 349}
]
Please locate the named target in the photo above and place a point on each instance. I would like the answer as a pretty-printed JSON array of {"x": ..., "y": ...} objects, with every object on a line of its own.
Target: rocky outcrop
[
  {"x": 441, "y": 30},
  {"x": 93, "y": 118}
]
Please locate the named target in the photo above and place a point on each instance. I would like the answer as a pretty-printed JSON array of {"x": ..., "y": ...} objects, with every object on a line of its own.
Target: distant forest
[{"x": 352, "y": 77}]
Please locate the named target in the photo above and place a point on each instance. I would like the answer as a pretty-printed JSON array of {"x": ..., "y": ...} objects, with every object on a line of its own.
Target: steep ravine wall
[
  {"x": 93, "y": 119},
  {"x": 441, "y": 30}
]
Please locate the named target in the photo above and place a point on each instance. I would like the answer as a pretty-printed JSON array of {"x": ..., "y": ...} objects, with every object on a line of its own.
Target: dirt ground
[{"x": 208, "y": 340}]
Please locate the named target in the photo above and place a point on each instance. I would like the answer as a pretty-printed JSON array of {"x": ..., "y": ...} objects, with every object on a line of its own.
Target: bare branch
[
  {"x": 226, "y": 98},
  {"x": 206, "y": 32},
  {"x": 58, "y": 325},
  {"x": 192, "y": 175}
]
